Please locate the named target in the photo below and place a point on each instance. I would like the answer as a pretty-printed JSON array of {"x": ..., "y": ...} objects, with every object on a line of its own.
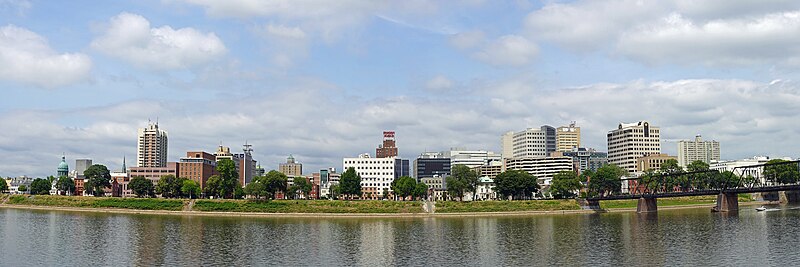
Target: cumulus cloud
[
  {"x": 129, "y": 37},
  {"x": 508, "y": 50},
  {"x": 27, "y": 58}
]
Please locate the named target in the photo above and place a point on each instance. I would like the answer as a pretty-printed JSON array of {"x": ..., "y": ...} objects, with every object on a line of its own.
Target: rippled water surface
[{"x": 694, "y": 237}]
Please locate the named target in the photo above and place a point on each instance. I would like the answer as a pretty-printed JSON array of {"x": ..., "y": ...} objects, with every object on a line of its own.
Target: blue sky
[{"x": 322, "y": 79}]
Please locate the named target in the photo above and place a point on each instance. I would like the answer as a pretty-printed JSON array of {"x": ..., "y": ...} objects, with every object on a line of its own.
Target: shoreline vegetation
[{"x": 334, "y": 208}]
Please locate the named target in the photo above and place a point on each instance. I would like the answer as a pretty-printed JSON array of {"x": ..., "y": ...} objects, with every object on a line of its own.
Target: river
[{"x": 668, "y": 238}]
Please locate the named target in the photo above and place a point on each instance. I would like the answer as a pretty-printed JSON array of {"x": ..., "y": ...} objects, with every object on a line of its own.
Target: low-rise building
[
  {"x": 491, "y": 170},
  {"x": 742, "y": 167},
  {"x": 652, "y": 162},
  {"x": 585, "y": 159},
  {"x": 377, "y": 174},
  {"x": 198, "y": 166},
  {"x": 154, "y": 173},
  {"x": 543, "y": 168}
]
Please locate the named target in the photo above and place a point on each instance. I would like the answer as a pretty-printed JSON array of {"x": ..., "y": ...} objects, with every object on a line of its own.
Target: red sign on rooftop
[{"x": 388, "y": 134}]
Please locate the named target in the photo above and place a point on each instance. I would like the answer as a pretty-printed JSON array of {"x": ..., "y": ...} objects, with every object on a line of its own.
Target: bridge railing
[{"x": 744, "y": 178}]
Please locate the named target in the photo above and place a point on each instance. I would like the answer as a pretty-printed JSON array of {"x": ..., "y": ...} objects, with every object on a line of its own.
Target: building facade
[
  {"x": 291, "y": 167},
  {"x": 155, "y": 173},
  {"x": 81, "y": 165},
  {"x": 491, "y": 170},
  {"x": 586, "y": 159},
  {"x": 690, "y": 151},
  {"x": 389, "y": 147},
  {"x": 198, "y": 166},
  {"x": 151, "y": 147},
  {"x": 377, "y": 174},
  {"x": 738, "y": 167},
  {"x": 245, "y": 165},
  {"x": 530, "y": 142},
  {"x": 652, "y": 162},
  {"x": 430, "y": 164},
  {"x": 568, "y": 137},
  {"x": 470, "y": 158},
  {"x": 543, "y": 168},
  {"x": 63, "y": 168},
  {"x": 631, "y": 141}
]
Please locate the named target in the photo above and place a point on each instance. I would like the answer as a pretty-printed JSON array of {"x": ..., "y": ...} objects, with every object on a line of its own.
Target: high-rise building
[
  {"x": 389, "y": 148},
  {"x": 152, "y": 147},
  {"x": 63, "y": 168},
  {"x": 631, "y": 141},
  {"x": 245, "y": 165},
  {"x": 430, "y": 164},
  {"x": 377, "y": 174},
  {"x": 690, "y": 151},
  {"x": 543, "y": 168},
  {"x": 586, "y": 159},
  {"x": 530, "y": 142},
  {"x": 568, "y": 137},
  {"x": 291, "y": 167},
  {"x": 198, "y": 166},
  {"x": 80, "y": 166},
  {"x": 470, "y": 158}
]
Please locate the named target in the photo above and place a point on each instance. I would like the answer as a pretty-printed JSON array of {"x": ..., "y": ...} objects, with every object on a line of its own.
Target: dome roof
[{"x": 63, "y": 165}]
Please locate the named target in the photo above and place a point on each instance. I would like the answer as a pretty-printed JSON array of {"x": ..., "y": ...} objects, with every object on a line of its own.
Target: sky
[{"x": 321, "y": 80}]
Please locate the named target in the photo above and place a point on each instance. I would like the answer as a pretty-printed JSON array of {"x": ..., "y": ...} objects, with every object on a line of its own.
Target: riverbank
[{"x": 328, "y": 208}]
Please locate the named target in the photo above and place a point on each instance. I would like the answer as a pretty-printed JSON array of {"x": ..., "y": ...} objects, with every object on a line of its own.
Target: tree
[
  {"x": 229, "y": 177},
  {"x": 404, "y": 186},
  {"x": 697, "y": 166},
  {"x": 212, "y": 188},
  {"x": 97, "y": 178},
  {"x": 606, "y": 180},
  {"x": 335, "y": 191},
  {"x": 302, "y": 184},
  {"x": 169, "y": 186},
  {"x": 421, "y": 190},
  {"x": 777, "y": 171},
  {"x": 40, "y": 186},
  {"x": 516, "y": 184},
  {"x": 462, "y": 179},
  {"x": 274, "y": 182},
  {"x": 190, "y": 188},
  {"x": 22, "y": 188},
  {"x": 350, "y": 183},
  {"x": 141, "y": 186},
  {"x": 65, "y": 185},
  {"x": 238, "y": 192},
  {"x": 256, "y": 188},
  {"x": 3, "y": 186},
  {"x": 565, "y": 184}
]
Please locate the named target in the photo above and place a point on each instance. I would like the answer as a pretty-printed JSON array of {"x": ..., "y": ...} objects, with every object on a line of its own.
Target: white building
[
  {"x": 152, "y": 147},
  {"x": 530, "y": 142},
  {"x": 470, "y": 158},
  {"x": 542, "y": 168},
  {"x": 690, "y": 151},
  {"x": 377, "y": 174},
  {"x": 631, "y": 141},
  {"x": 738, "y": 166}
]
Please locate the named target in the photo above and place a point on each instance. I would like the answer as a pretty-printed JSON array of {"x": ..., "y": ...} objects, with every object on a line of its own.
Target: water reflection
[{"x": 669, "y": 237}]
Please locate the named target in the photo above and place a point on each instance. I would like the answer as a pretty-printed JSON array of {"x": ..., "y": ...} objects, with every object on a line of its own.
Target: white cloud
[
  {"x": 130, "y": 38},
  {"x": 26, "y": 57},
  {"x": 772, "y": 38},
  {"x": 508, "y": 50},
  {"x": 467, "y": 39},
  {"x": 285, "y": 32},
  {"x": 439, "y": 83}
]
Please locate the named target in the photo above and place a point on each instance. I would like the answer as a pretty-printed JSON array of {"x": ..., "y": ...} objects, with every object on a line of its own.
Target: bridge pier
[
  {"x": 792, "y": 196},
  {"x": 727, "y": 202},
  {"x": 589, "y": 204},
  {"x": 646, "y": 204}
]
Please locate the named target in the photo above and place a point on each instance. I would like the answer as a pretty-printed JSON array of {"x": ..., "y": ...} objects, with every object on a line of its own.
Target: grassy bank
[
  {"x": 97, "y": 202},
  {"x": 666, "y": 202},
  {"x": 309, "y": 206},
  {"x": 506, "y": 206}
]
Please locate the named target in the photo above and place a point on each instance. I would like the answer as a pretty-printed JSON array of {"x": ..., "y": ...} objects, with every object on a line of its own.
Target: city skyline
[{"x": 321, "y": 85}]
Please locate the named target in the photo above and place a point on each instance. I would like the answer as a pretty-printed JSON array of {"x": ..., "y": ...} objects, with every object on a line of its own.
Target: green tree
[
  {"x": 256, "y": 188},
  {"x": 350, "y": 183},
  {"x": 404, "y": 186},
  {"x": 169, "y": 186},
  {"x": 190, "y": 188},
  {"x": 229, "y": 177},
  {"x": 97, "y": 179},
  {"x": 461, "y": 180},
  {"x": 606, "y": 180},
  {"x": 516, "y": 184},
  {"x": 697, "y": 166},
  {"x": 238, "y": 192},
  {"x": 40, "y": 186},
  {"x": 275, "y": 182},
  {"x": 780, "y": 172},
  {"x": 335, "y": 191},
  {"x": 213, "y": 185},
  {"x": 65, "y": 185},
  {"x": 421, "y": 190},
  {"x": 302, "y": 184},
  {"x": 3, "y": 185},
  {"x": 22, "y": 188},
  {"x": 565, "y": 184},
  {"x": 141, "y": 186}
]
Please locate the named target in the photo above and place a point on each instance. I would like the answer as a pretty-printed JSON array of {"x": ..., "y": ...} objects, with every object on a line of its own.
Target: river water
[{"x": 693, "y": 237}]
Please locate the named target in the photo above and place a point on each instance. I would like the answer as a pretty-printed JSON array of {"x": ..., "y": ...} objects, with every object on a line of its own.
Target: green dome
[{"x": 63, "y": 167}]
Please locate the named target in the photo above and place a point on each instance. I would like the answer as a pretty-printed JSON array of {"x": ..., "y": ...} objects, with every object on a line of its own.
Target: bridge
[{"x": 762, "y": 178}]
